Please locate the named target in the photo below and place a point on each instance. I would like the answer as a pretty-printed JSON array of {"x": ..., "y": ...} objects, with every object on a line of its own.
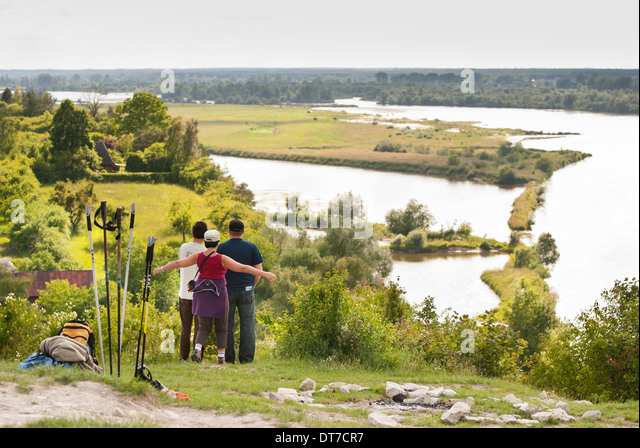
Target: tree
[
  {"x": 7, "y": 95},
  {"x": 181, "y": 217},
  {"x": 94, "y": 100},
  {"x": 140, "y": 112},
  {"x": 533, "y": 317},
  {"x": 72, "y": 153},
  {"x": 8, "y": 134},
  {"x": 74, "y": 197},
  {"x": 547, "y": 249},
  {"x": 182, "y": 142},
  {"x": 414, "y": 216}
]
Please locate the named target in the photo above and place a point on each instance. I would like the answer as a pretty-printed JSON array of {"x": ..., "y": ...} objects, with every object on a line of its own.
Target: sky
[{"x": 115, "y": 34}]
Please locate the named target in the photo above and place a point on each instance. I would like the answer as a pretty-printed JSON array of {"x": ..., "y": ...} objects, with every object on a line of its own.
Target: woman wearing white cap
[{"x": 210, "y": 303}]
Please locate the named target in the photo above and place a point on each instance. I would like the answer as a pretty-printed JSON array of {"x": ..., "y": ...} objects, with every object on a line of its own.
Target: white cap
[{"x": 211, "y": 236}]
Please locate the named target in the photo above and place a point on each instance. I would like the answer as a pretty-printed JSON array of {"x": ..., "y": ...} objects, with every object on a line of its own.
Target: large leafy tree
[
  {"x": 72, "y": 154},
  {"x": 142, "y": 111}
]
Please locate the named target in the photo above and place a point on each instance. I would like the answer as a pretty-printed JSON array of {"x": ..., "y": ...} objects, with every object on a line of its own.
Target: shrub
[
  {"x": 506, "y": 176},
  {"x": 397, "y": 241},
  {"x": 388, "y": 146},
  {"x": 415, "y": 240},
  {"x": 60, "y": 296},
  {"x": 532, "y": 316},
  {"x": 329, "y": 323},
  {"x": 595, "y": 357},
  {"x": 22, "y": 327},
  {"x": 456, "y": 342}
]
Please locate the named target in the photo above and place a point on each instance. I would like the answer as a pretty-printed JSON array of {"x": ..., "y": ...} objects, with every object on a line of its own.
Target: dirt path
[{"x": 96, "y": 401}]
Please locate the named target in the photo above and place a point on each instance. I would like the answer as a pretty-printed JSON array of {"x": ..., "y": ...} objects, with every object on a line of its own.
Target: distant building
[{"x": 82, "y": 279}]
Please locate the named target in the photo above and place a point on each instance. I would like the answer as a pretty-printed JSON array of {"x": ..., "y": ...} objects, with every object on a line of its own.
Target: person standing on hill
[
  {"x": 240, "y": 287},
  {"x": 185, "y": 299},
  {"x": 210, "y": 303}
]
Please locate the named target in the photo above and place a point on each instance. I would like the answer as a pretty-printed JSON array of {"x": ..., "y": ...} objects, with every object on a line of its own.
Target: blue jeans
[{"x": 244, "y": 302}]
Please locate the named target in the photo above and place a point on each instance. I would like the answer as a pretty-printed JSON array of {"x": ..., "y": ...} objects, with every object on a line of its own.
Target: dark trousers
[
  {"x": 186, "y": 320},
  {"x": 244, "y": 303},
  {"x": 206, "y": 325}
]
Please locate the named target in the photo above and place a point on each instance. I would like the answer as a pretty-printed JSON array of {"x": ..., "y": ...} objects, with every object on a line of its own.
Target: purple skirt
[{"x": 210, "y": 298}]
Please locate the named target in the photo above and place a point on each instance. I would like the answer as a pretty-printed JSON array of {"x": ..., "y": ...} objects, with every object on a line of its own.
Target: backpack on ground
[{"x": 79, "y": 331}]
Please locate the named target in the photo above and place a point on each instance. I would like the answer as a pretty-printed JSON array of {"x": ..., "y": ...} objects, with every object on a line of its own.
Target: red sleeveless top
[{"x": 212, "y": 268}]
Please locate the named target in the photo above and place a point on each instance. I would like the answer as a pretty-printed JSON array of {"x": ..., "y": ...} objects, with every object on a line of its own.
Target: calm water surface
[{"x": 591, "y": 208}]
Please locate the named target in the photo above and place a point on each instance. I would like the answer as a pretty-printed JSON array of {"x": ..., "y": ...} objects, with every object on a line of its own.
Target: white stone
[
  {"x": 508, "y": 418},
  {"x": 436, "y": 392},
  {"x": 429, "y": 400},
  {"x": 562, "y": 405},
  {"x": 418, "y": 393},
  {"x": 557, "y": 414},
  {"x": 308, "y": 384},
  {"x": 482, "y": 420},
  {"x": 380, "y": 419},
  {"x": 582, "y": 402},
  {"x": 286, "y": 393},
  {"x": 394, "y": 389},
  {"x": 512, "y": 399},
  {"x": 449, "y": 393},
  {"x": 528, "y": 408},
  {"x": 526, "y": 421},
  {"x": 457, "y": 411},
  {"x": 596, "y": 415},
  {"x": 561, "y": 414}
]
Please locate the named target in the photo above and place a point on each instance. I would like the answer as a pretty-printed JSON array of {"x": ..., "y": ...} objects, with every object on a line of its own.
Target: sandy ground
[{"x": 96, "y": 401}]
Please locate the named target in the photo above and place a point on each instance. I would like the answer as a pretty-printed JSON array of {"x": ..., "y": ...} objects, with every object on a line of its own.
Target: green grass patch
[
  {"x": 455, "y": 150},
  {"x": 152, "y": 210},
  {"x": 524, "y": 206}
]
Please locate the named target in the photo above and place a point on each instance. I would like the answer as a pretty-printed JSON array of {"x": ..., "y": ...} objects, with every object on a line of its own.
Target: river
[{"x": 591, "y": 208}]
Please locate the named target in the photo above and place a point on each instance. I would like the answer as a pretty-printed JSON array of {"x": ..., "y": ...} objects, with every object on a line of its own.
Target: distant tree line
[{"x": 610, "y": 91}]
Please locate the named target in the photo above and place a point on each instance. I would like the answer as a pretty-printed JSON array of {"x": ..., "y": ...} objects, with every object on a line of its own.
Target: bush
[
  {"x": 506, "y": 176},
  {"x": 23, "y": 326},
  {"x": 135, "y": 163},
  {"x": 415, "y": 240},
  {"x": 388, "y": 146},
  {"x": 455, "y": 342},
  {"x": 328, "y": 323},
  {"x": 596, "y": 357},
  {"x": 532, "y": 316},
  {"x": 60, "y": 296}
]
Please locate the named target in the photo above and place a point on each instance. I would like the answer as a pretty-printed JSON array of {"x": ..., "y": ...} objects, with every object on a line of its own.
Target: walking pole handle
[
  {"x": 89, "y": 218},
  {"x": 133, "y": 215}
]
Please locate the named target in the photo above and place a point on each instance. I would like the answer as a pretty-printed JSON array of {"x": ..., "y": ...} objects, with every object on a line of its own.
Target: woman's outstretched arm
[
  {"x": 238, "y": 267},
  {"x": 183, "y": 263}
]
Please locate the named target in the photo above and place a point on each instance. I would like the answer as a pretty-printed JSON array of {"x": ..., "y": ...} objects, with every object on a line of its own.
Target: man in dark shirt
[{"x": 240, "y": 290}]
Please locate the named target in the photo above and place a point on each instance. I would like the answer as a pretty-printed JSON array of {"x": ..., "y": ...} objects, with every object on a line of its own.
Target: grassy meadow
[
  {"x": 152, "y": 202},
  {"x": 434, "y": 147}
]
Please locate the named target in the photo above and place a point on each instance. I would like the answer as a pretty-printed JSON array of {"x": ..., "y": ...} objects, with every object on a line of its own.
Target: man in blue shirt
[{"x": 240, "y": 290}]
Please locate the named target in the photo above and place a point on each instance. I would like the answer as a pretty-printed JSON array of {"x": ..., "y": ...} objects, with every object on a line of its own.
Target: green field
[
  {"x": 334, "y": 137},
  {"x": 152, "y": 209}
]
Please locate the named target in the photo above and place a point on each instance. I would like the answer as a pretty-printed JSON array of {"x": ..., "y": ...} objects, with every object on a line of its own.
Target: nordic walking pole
[
  {"x": 119, "y": 279},
  {"x": 95, "y": 285},
  {"x": 103, "y": 209},
  {"x": 142, "y": 334},
  {"x": 126, "y": 274}
]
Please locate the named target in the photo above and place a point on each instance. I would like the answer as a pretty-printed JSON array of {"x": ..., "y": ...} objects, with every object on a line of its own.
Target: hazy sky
[{"x": 77, "y": 34}]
